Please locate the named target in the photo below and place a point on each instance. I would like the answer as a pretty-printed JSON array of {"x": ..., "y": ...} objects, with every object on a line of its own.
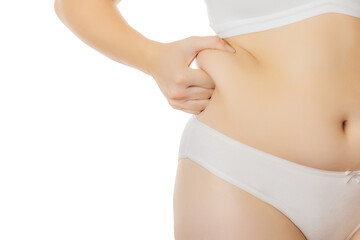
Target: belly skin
[{"x": 290, "y": 95}]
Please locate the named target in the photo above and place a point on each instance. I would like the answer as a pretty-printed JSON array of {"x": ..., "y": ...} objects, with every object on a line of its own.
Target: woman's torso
[{"x": 288, "y": 90}]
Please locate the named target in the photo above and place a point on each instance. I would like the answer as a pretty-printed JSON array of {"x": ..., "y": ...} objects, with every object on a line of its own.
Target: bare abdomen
[{"x": 303, "y": 107}]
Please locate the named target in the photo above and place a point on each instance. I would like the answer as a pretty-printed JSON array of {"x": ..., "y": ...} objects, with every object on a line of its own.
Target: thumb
[{"x": 213, "y": 42}]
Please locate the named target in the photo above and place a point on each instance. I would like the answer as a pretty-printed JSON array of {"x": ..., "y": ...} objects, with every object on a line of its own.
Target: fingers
[
  {"x": 195, "y": 44},
  {"x": 186, "y": 88},
  {"x": 213, "y": 42},
  {"x": 193, "y": 92},
  {"x": 198, "y": 77},
  {"x": 198, "y": 93},
  {"x": 180, "y": 98},
  {"x": 191, "y": 111},
  {"x": 195, "y": 106}
]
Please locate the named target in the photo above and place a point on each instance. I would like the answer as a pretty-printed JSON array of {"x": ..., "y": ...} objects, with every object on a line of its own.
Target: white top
[{"x": 234, "y": 17}]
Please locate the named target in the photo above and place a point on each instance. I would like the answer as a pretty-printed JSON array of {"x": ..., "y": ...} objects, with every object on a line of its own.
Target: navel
[{"x": 344, "y": 125}]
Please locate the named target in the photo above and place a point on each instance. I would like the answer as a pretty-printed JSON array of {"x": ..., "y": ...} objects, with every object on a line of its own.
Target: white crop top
[{"x": 234, "y": 17}]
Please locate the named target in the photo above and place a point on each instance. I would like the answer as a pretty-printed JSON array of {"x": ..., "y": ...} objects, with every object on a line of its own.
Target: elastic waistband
[{"x": 197, "y": 135}]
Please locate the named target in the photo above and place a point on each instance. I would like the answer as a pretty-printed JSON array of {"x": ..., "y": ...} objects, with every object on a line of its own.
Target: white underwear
[{"x": 324, "y": 205}]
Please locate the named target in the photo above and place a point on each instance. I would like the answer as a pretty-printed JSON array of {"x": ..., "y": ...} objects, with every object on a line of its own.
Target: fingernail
[{"x": 229, "y": 48}]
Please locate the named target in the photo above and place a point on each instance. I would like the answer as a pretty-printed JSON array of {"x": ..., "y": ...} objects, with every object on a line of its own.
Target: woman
[{"x": 273, "y": 151}]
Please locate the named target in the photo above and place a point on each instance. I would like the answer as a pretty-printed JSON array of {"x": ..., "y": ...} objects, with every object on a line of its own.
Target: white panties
[{"x": 324, "y": 205}]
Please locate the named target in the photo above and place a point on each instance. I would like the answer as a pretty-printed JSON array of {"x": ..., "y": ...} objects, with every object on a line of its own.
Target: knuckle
[
  {"x": 199, "y": 56},
  {"x": 176, "y": 94},
  {"x": 174, "y": 104}
]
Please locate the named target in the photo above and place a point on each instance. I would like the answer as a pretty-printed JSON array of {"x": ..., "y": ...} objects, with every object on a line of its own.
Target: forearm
[{"x": 100, "y": 25}]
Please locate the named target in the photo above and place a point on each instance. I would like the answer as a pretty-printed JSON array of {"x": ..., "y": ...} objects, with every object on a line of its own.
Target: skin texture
[
  {"x": 207, "y": 207},
  {"x": 99, "y": 24},
  {"x": 283, "y": 94},
  {"x": 277, "y": 86},
  {"x": 279, "y": 89}
]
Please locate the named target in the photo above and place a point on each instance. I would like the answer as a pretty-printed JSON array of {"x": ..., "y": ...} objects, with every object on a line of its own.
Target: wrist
[{"x": 152, "y": 52}]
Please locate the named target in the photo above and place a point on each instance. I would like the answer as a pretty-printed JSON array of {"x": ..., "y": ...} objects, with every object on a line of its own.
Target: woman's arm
[{"x": 100, "y": 25}]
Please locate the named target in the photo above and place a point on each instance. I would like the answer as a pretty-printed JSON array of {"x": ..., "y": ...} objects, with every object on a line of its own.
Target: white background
[{"x": 88, "y": 146}]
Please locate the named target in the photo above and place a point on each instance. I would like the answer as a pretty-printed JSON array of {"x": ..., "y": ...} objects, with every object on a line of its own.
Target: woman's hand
[{"x": 185, "y": 88}]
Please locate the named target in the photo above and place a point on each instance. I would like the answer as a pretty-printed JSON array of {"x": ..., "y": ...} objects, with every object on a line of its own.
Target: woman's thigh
[{"x": 208, "y": 207}]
